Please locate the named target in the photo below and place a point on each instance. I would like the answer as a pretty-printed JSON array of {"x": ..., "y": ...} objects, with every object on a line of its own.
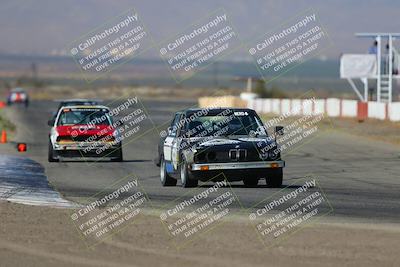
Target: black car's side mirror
[
  {"x": 279, "y": 130},
  {"x": 50, "y": 122}
]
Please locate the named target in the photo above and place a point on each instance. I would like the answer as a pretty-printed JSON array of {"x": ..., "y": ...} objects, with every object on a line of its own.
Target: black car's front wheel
[
  {"x": 51, "y": 154},
  {"x": 275, "y": 178},
  {"x": 166, "y": 179},
  {"x": 185, "y": 176}
]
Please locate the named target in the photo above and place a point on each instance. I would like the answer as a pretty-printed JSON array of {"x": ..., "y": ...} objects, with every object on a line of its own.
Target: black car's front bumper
[
  {"x": 234, "y": 171},
  {"x": 238, "y": 165}
]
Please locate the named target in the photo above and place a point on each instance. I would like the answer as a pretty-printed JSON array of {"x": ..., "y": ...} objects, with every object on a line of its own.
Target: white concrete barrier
[
  {"x": 250, "y": 104},
  {"x": 267, "y": 106},
  {"x": 285, "y": 105},
  {"x": 377, "y": 110},
  {"x": 258, "y": 103},
  {"x": 276, "y": 106},
  {"x": 319, "y": 106},
  {"x": 296, "y": 107},
  {"x": 394, "y": 111},
  {"x": 307, "y": 106},
  {"x": 349, "y": 108},
  {"x": 333, "y": 107}
]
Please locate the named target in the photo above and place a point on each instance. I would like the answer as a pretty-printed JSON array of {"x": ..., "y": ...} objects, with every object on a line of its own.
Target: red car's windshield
[{"x": 70, "y": 116}]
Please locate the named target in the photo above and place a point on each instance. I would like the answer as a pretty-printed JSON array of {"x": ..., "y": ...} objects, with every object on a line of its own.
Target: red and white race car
[
  {"x": 84, "y": 131},
  {"x": 17, "y": 96}
]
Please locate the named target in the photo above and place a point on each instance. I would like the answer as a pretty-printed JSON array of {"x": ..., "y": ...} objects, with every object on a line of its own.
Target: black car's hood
[
  {"x": 217, "y": 149},
  {"x": 231, "y": 142}
]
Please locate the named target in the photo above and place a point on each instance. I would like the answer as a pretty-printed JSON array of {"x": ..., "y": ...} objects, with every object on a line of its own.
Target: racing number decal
[
  {"x": 167, "y": 147},
  {"x": 174, "y": 153},
  {"x": 171, "y": 142},
  {"x": 171, "y": 145}
]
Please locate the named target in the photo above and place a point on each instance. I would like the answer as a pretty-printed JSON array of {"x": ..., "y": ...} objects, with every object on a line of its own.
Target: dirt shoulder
[
  {"x": 39, "y": 236},
  {"x": 372, "y": 129},
  {"x": 6, "y": 124},
  {"x": 385, "y": 131}
]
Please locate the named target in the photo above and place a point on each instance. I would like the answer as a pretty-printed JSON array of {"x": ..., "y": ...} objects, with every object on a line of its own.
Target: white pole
[
  {"x": 249, "y": 85},
  {"x": 365, "y": 81},
  {"x": 378, "y": 39},
  {"x": 390, "y": 68}
]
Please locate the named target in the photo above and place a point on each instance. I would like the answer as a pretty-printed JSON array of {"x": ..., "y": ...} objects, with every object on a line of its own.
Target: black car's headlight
[
  {"x": 200, "y": 157},
  {"x": 273, "y": 154}
]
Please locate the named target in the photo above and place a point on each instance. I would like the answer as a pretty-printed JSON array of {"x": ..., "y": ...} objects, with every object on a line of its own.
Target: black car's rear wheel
[
  {"x": 186, "y": 177},
  {"x": 166, "y": 179},
  {"x": 275, "y": 178}
]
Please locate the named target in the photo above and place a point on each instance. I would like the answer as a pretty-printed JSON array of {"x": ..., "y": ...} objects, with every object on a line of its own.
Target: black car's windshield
[
  {"x": 70, "y": 116},
  {"x": 236, "y": 123}
]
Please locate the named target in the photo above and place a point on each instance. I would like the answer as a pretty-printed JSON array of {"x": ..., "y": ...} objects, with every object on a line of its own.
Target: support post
[
  {"x": 365, "y": 82},
  {"x": 355, "y": 89},
  {"x": 378, "y": 58},
  {"x": 390, "y": 42}
]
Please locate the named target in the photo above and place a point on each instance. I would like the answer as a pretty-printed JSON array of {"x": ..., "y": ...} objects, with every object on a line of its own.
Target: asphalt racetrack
[{"x": 360, "y": 177}]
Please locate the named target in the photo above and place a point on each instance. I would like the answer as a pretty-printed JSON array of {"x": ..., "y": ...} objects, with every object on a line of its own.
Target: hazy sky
[{"x": 42, "y": 26}]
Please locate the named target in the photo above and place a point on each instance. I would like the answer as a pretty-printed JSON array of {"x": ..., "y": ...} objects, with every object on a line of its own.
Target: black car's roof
[
  {"x": 211, "y": 111},
  {"x": 78, "y": 101}
]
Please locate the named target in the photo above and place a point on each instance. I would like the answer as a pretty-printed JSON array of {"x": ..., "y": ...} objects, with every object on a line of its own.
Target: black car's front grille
[
  {"x": 232, "y": 155},
  {"x": 242, "y": 154},
  {"x": 209, "y": 155},
  {"x": 238, "y": 154}
]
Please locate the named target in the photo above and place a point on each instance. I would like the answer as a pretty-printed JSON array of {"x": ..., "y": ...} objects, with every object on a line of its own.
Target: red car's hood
[{"x": 84, "y": 129}]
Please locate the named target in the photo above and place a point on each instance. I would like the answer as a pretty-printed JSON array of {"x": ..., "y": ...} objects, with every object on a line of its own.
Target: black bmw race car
[{"x": 219, "y": 143}]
